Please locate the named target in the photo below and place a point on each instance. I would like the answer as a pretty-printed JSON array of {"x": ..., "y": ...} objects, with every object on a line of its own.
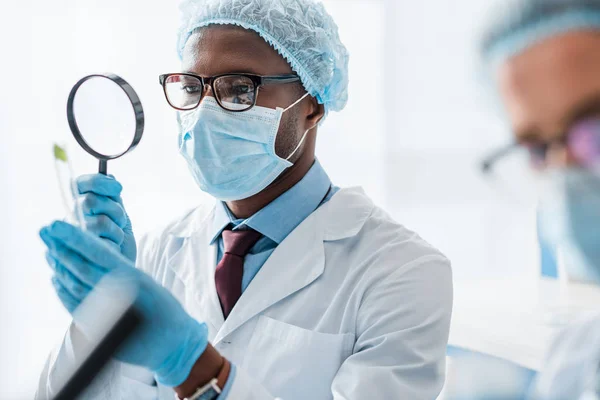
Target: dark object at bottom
[{"x": 100, "y": 356}]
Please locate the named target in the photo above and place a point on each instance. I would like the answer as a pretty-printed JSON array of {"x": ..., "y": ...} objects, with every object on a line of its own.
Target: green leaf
[{"x": 60, "y": 153}]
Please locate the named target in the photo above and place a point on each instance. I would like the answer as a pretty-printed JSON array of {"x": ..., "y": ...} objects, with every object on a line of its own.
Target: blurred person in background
[
  {"x": 544, "y": 58},
  {"x": 287, "y": 286}
]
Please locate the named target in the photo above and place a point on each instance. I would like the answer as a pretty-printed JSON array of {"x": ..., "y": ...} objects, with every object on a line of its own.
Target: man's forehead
[
  {"x": 233, "y": 46},
  {"x": 543, "y": 84}
]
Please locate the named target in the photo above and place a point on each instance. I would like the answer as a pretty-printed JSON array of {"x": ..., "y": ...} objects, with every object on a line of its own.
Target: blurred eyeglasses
[
  {"x": 582, "y": 142},
  {"x": 233, "y": 92}
]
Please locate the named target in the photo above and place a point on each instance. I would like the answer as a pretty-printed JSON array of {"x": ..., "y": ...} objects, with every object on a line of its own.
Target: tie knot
[{"x": 239, "y": 243}]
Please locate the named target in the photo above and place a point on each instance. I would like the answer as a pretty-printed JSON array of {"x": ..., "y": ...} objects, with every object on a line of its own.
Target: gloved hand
[
  {"x": 104, "y": 213},
  {"x": 169, "y": 341}
]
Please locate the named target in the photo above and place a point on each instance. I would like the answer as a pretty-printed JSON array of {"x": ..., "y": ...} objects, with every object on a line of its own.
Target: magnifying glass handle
[{"x": 103, "y": 169}]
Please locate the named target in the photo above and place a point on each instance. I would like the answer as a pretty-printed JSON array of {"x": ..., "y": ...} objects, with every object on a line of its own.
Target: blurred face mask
[
  {"x": 570, "y": 220},
  {"x": 232, "y": 155}
]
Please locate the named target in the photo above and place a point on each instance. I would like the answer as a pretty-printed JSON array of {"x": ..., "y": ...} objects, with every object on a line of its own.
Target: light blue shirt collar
[{"x": 278, "y": 219}]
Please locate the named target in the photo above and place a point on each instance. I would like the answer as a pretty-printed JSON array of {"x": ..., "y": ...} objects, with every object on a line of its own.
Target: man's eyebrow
[
  {"x": 530, "y": 135},
  {"x": 190, "y": 73},
  {"x": 590, "y": 106},
  {"x": 232, "y": 71}
]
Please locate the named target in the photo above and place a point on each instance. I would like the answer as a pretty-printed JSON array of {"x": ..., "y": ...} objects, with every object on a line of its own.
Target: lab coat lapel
[
  {"x": 297, "y": 262},
  {"x": 195, "y": 265}
]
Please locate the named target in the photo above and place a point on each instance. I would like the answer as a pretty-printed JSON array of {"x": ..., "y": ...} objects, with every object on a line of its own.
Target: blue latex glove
[
  {"x": 104, "y": 213},
  {"x": 169, "y": 341}
]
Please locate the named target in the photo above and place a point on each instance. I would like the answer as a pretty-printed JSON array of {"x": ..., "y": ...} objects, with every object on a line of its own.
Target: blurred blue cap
[{"x": 519, "y": 24}]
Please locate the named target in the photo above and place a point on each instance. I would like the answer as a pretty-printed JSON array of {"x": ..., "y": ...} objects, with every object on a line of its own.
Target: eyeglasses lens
[
  {"x": 235, "y": 92},
  {"x": 584, "y": 142},
  {"x": 183, "y": 91}
]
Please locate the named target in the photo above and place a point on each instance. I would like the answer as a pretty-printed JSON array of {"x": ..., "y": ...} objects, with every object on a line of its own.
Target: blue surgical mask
[
  {"x": 232, "y": 155},
  {"x": 570, "y": 221}
]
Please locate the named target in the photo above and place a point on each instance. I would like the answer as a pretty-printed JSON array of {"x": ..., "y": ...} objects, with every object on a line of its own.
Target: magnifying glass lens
[{"x": 104, "y": 115}]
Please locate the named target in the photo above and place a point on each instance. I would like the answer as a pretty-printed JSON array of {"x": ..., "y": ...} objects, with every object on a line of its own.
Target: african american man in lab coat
[{"x": 286, "y": 286}]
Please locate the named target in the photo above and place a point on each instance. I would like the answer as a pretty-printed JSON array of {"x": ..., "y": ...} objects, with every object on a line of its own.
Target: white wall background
[
  {"x": 411, "y": 135},
  {"x": 437, "y": 136}
]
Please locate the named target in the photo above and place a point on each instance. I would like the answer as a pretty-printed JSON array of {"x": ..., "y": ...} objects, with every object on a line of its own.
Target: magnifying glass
[{"x": 105, "y": 116}]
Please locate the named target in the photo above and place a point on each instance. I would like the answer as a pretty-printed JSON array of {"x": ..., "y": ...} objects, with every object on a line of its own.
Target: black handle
[
  {"x": 105, "y": 349},
  {"x": 103, "y": 169}
]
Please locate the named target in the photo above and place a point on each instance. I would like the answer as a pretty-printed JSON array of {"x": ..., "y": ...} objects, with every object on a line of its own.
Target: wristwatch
[{"x": 212, "y": 389}]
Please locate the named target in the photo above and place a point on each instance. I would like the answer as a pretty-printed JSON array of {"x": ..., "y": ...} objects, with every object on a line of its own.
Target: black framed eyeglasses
[{"x": 235, "y": 92}]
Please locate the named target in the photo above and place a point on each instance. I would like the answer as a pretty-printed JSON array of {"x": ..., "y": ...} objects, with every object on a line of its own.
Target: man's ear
[{"x": 316, "y": 113}]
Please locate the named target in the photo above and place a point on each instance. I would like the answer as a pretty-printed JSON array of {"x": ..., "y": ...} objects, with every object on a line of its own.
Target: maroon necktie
[{"x": 228, "y": 277}]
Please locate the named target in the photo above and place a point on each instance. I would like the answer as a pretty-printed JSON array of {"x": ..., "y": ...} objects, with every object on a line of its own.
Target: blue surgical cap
[
  {"x": 519, "y": 24},
  {"x": 300, "y": 30}
]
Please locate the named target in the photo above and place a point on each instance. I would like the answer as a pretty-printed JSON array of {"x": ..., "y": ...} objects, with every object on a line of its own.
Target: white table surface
[{"x": 516, "y": 320}]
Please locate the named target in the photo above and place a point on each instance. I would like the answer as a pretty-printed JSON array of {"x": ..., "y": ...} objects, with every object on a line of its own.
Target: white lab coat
[
  {"x": 572, "y": 366},
  {"x": 351, "y": 305}
]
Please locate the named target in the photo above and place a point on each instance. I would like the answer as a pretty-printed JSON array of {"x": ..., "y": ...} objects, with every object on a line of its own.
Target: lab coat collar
[
  {"x": 347, "y": 202},
  {"x": 194, "y": 221},
  {"x": 346, "y": 213},
  {"x": 222, "y": 219}
]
